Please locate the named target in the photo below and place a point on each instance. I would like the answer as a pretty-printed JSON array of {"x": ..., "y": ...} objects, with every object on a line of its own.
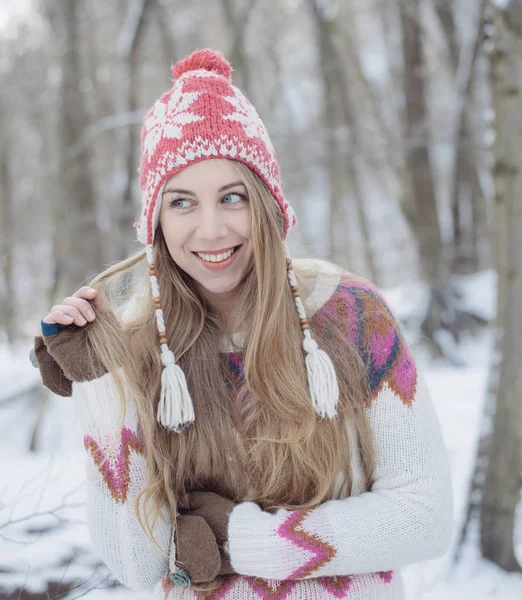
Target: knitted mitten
[
  {"x": 215, "y": 510},
  {"x": 65, "y": 355},
  {"x": 196, "y": 549}
]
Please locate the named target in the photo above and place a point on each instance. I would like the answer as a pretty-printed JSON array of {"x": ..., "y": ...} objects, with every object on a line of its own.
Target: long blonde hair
[{"x": 285, "y": 455}]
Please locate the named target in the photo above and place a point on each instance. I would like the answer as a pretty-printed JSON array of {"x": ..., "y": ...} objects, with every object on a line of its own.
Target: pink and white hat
[{"x": 205, "y": 116}]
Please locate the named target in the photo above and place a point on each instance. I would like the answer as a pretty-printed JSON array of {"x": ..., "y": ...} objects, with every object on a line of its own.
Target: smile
[{"x": 218, "y": 261}]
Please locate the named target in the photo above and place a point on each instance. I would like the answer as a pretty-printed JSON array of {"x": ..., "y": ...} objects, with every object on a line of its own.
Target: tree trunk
[
  {"x": 502, "y": 482},
  {"x": 7, "y": 297},
  {"x": 465, "y": 189},
  {"x": 136, "y": 18},
  {"x": 346, "y": 191},
  {"x": 425, "y": 216},
  {"x": 238, "y": 23},
  {"x": 76, "y": 239}
]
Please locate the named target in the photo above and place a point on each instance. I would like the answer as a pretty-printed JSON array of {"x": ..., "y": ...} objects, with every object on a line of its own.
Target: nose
[{"x": 212, "y": 225}]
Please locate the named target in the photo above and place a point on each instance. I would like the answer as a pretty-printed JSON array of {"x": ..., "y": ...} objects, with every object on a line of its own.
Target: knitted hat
[{"x": 205, "y": 116}]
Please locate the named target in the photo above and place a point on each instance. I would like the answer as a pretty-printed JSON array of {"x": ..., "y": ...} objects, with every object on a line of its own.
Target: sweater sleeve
[
  {"x": 116, "y": 469},
  {"x": 116, "y": 472},
  {"x": 406, "y": 517}
]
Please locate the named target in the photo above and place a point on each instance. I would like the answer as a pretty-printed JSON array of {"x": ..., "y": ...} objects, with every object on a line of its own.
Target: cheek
[
  {"x": 173, "y": 242},
  {"x": 172, "y": 232},
  {"x": 245, "y": 225}
]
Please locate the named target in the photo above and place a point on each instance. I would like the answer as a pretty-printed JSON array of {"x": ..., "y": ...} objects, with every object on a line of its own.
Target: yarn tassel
[
  {"x": 324, "y": 389},
  {"x": 175, "y": 409}
]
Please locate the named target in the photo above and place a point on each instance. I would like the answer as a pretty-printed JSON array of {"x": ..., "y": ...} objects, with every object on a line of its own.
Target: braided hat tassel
[
  {"x": 322, "y": 380},
  {"x": 175, "y": 408}
]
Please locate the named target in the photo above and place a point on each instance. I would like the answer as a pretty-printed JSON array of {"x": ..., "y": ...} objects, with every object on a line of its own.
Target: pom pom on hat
[{"x": 207, "y": 59}]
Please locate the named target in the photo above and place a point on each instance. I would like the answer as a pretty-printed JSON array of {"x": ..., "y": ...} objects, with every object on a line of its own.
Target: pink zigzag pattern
[
  {"x": 263, "y": 589},
  {"x": 271, "y": 589},
  {"x": 117, "y": 476},
  {"x": 322, "y": 551},
  {"x": 386, "y": 576},
  {"x": 337, "y": 586}
]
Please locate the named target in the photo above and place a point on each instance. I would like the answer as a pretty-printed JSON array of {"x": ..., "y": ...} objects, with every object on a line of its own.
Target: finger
[
  {"x": 92, "y": 295},
  {"x": 57, "y": 316},
  {"x": 83, "y": 306},
  {"x": 73, "y": 312},
  {"x": 85, "y": 292}
]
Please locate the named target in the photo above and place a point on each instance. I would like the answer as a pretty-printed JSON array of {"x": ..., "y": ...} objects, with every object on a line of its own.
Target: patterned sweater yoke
[{"x": 353, "y": 547}]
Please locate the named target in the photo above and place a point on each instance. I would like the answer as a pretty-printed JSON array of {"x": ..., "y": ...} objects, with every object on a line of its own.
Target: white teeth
[{"x": 216, "y": 257}]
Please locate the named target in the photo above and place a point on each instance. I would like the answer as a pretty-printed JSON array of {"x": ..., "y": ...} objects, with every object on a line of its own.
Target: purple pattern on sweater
[{"x": 372, "y": 328}]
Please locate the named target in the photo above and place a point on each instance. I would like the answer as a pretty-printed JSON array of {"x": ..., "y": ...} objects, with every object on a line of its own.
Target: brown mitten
[
  {"x": 72, "y": 351},
  {"x": 53, "y": 377},
  {"x": 196, "y": 549},
  {"x": 215, "y": 509}
]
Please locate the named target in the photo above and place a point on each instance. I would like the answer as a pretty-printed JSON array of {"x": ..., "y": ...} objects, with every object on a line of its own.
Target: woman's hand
[
  {"x": 202, "y": 535},
  {"x": 213, "y": 508},
  {"x": 76, "y": 309},
  {"x": 196, "y": 549}
]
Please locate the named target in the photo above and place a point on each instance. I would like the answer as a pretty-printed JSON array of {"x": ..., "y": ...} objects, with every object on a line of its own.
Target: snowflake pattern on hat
[
  {"x": 247, "y": 115},
  {"x": 168, "y": 119}
]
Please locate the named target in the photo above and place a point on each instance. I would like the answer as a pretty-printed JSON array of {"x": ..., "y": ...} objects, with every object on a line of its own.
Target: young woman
[{"x": 256, "y": 426}]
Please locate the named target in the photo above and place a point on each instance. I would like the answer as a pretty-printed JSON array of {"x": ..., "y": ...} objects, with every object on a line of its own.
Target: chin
[{"x": 218, "y": 287}]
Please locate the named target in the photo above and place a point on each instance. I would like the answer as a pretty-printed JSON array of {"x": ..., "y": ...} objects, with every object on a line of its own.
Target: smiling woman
[{"x": 274, "y": 438}]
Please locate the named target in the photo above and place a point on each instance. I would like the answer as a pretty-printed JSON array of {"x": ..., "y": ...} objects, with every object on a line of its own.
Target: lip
[{"x": 221, "y": 265}]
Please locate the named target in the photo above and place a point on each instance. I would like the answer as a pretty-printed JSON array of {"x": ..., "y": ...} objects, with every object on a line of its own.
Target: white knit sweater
[{"x": 349, "y": 548}]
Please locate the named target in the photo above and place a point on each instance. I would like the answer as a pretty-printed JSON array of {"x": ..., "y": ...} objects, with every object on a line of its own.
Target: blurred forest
[
  {"x": 379, "y": 111},
  {"x": 398, "y": 129}
]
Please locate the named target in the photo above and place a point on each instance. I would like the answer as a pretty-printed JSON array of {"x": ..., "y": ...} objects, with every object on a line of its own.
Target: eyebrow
[{"x": 188, "y": 192}]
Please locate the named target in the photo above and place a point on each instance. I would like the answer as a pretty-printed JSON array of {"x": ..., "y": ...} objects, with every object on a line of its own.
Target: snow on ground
[{"x": 43, "y": 492}]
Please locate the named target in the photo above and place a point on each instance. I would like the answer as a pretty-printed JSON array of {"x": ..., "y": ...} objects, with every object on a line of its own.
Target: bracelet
[{"x": 180, "y": 577}]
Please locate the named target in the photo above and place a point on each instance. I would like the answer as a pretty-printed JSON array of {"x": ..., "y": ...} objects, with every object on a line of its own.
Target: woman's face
[{"x": 205, "y": 214}]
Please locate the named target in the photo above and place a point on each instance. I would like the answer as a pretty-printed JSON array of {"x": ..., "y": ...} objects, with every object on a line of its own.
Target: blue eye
[
  {"x": 173, "y": 204},
  {"x": 240, "y": 196}
]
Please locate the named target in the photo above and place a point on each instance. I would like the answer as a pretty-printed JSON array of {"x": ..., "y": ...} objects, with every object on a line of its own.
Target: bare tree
[
  {"x": 77, "y": 250},
  {"x": 495, "y": 484},
  {"x": 346, "y": 191},
  {"x": 465, "y": 186},
  {"x": 502, "y": 481},
  {"x": 238, "y": 23},
  {"x": 129, "y": 46},
  {"x": 7, "y": 237},
  {"x": 444, "y": 317},
  {"x": 422, "y": 214}
]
